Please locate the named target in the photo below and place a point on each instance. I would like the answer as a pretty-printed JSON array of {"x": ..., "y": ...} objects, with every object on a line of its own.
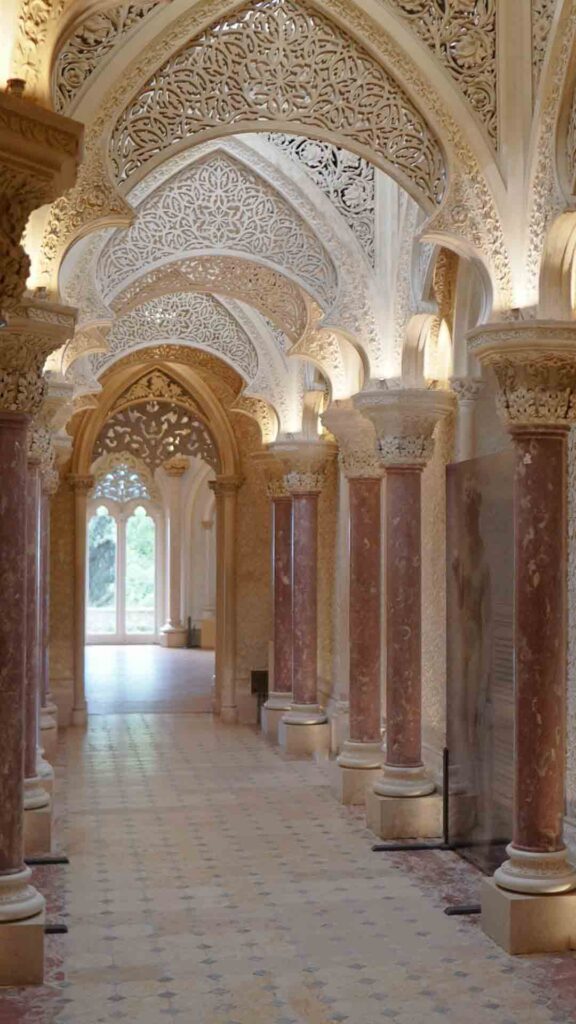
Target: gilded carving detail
[
  {"x": 262, "y": 412},
  {"x": 156, "y": 385},
  {"x": 154, "y": 431}
]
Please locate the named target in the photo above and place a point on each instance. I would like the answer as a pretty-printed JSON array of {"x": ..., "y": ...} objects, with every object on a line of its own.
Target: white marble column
[
  {"x": 81, "y": 485},
  {"x": 174, "y": 632},
  {"x": 225, "y": 489}
]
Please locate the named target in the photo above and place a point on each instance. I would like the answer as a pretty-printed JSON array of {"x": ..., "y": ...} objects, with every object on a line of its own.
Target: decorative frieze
[{"x": 404, "y": 420}]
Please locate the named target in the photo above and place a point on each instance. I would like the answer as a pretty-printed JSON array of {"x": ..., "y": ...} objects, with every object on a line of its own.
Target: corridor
[
  {"x": 145, "y": 677},
  {"x": 213, "y": 881}
]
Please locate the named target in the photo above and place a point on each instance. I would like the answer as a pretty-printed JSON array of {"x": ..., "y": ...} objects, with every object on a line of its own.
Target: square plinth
[
  {"x": 38, "y": 831},
  {"x": 22, "y": 951},
  {"x": 270, "y": 720},
  {"x": 402, "y": 817},
  {"x": 528, "y": 924},
  {"x": 352, "y": 785},
  {"x": 305, "y": 740}
]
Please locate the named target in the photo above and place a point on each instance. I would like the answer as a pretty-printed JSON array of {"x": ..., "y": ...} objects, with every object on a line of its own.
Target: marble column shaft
[
  {"x": 365, "y": 586},
  {"x": 305, "y": 610},
  {"x": 13, "y": 454},
  {"x": 403, "y": 616},
  {"x": 81, "y": 486},
  {"x": 540, "y": 502},
  {"x": 282, "y": 569},
  {"x": 32, "y": 688},
  {"x": 174, "y": 545},
  {"x": 226, "y": 490},
  {"x": 44, "y": 598}
]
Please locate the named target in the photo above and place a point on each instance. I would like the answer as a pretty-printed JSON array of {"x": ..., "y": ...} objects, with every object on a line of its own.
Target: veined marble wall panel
[
  {"x": 571, "y": 717},
  {"x": 61, "y": 637},
  {"x": 253, "y": 554},
  {"x": 434, "y": 596}
]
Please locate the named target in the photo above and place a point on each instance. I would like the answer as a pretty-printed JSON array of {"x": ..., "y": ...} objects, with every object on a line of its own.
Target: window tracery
[
  {"x": 154, "y": 431},
  {"x": 347, "y": 180},
  {"x": 218, "y": 203},
  {"x": 189, "y": 318},
  {"x": 121, "y": 484},
  {"x": 277, "y": 57}
]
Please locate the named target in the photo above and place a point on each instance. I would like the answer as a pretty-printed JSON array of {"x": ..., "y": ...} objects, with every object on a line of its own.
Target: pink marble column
[
  {"x": 35, "y": 796},
  {"x": 403, "y": 770},
  {"x": 305, "y": 709},
  {"x": 540, "y": 502},
  {"x": 364, "y": 745},
  {"x": 18, "y": 900},
  {"x": 282, "y": 570},
  {"x": 48, "y": 710}
]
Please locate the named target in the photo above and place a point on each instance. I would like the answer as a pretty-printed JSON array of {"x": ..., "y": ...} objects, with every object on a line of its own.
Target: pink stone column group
[
  {"x": 283, "y": 610},
  {"x": 305, "y": 603}
]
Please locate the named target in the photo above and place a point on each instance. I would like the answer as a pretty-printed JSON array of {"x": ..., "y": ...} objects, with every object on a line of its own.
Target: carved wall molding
[
  {"x": 234, "y": 209},
  {"x": 192, "y": 319},
  {"x": 86, "y": 48},
  {"x": 273, "y": 294},
  {"x": 169, "y": 110},
  {"x": 154, "y": 431}
]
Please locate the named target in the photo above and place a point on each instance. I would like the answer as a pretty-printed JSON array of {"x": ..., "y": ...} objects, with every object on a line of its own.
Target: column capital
[
  {"x": 176, "y": 466},
  {"x": 80, "y": 484},
  {"x": 356, "y": 438},
  {"x": 32, "y": 331},
  {"x": 39, "y": 155},
  {"x": 272, "y": 470},
  {"x": 466, "y": 389},
  {"x": 534, "y": 362},
  {"x": 225, "y": 485},
  {"x": 304, "y": 464},
  {"x": 404, "y": 420}
]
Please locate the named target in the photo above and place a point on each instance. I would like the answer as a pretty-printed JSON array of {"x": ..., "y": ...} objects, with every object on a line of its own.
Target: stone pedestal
[
  {"x": 395, "y": 817},
  {"x": 271, "y": 713},
  {"x": 22, "y": 951},
  {"x": 352, "y": 785},
  {"x": 173, "y": 636},
  {"x": 523, "y": 924},
  {"x": 301, "y": 738},
  {"x": 38, "y": 830}
]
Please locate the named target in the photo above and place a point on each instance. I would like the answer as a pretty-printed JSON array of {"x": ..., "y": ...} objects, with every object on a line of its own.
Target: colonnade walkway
[{"x": 212, "y": 881}]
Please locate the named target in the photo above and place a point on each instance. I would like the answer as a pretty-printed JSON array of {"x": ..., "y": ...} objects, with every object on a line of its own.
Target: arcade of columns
[{"x": 383, "y": 434}]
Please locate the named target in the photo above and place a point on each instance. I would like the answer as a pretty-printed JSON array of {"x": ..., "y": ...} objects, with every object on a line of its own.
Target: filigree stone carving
[
  {"x": 177, "y": 465},
  {"x": 462, "y": 35},
  {"x": 347, "y": 180},
  {"x": 542, "y": 14},
  {"x": 466, "y": 389},
  {"x": 155, "y": 384},
  {"x": 304, "y": 482},
  {"x": 234, "y": 209},
  {"x": 225, "y": 382},
  {"x": 86, "y": 341},
  {"x": 34, "y": 17},
  {"x": 40, "y": 447},
  {"x": 356, "y": 440},
  {"x": 404, "y": 420},
  {"x": 123, "y": 477},
  {"x": 323, "y": 346},
  {"x": 191, "y": 319},
  {"x": 27, "y": 340},
  {"x": 155, "y": 431},
  {"x": 535, "y": 366},
  {"x": 87, "y": 48},
  {"x": 304, "y": 464},
  {"x": 272, "y": 293},
  {"x": 279, "y": 46}
]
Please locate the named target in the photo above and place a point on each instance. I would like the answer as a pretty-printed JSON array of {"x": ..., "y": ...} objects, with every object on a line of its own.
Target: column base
[
  {"x": 523, "y": 924},
  {"x": 38, "y": 831},
  {"x": 535, "y": 873},
  {"x": 271, "y": 712},
  {"x": 304, "y": 714},
  {"x": 360, "y": 755},
  {"x": 49, "y": 736},
  {"x": 22, "y": 951},
  {"x": 173, "y": 636},
  {"x": 353, "y": 784},
  {"x": 45, "y": 773},
  {"x": 404, "y": 817},
  {"x": 399, "y": 781},
  {"x": 79, "y": 716},
  {"x": 303, "y": 738}
]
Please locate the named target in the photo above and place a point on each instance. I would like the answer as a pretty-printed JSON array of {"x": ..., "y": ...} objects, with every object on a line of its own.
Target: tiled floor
[
  {"x": 213, "y": 882},
  {"x": 146, "y": 677}
]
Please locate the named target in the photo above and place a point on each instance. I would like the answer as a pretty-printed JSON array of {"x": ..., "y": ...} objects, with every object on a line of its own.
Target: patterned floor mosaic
[{"x": 211, "y": 881}]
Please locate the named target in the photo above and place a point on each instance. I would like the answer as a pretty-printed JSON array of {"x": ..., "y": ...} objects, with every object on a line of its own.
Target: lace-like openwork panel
[
  {"x": 154, "y": 432},
  {"x": 190, "y": 318},
  {"x": 542, "y": 14},
  {"x": 344, "y": 177},
  {"x": 89, "y": 45},
  {"x": 218, "y": 203},
  {"x": 280, "y": 61},
  {"x": 462, "y": 35},
  {"x": 121, "y": 483}
]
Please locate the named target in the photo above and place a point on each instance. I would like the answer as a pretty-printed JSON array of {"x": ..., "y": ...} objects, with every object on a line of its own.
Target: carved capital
[
  {"x": 81, "y": 485},
  {"x": 176, "y": 466},
  {"x": 32, "y": 332},
  {"x": 277, "y": 489},
  {"x": 466, "y": 389},
  {"x": 304, "y": 464},
  {"x": 224, "y": 486},
  {"x": 535, "y": 366},
  {"x": 404, "y": 420},
  {"x": 39, "y": 153},
  {"x": 50, "y": 481},
  {"x": 356, "y": 439}
]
